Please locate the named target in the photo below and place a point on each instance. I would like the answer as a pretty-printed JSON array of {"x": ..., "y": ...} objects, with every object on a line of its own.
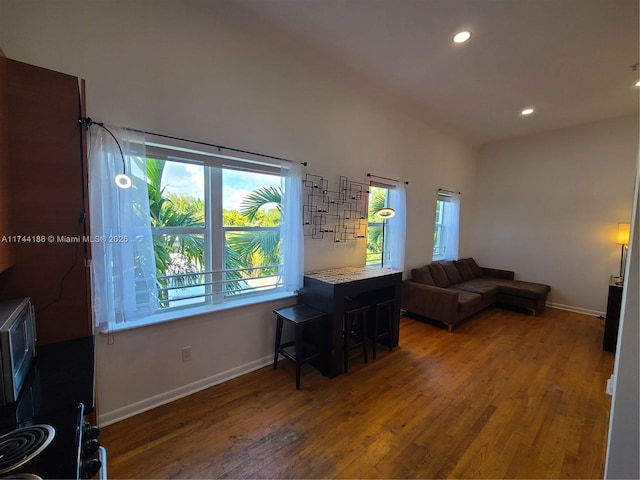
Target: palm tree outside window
[
  {"x": 215, "y": 226},
  {"x": 197, "y": 228},
  {"x": 378, "y": 198},
  {"x": 216, "y": 231}
]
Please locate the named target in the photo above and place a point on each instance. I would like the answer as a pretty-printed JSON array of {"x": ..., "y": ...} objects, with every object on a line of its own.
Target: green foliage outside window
[
  {"x": 180, "y": 257},
  {"x": 377, "y": 200}
]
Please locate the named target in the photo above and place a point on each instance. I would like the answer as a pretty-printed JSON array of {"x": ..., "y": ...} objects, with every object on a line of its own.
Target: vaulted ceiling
[{"x": 570, "y": 60}]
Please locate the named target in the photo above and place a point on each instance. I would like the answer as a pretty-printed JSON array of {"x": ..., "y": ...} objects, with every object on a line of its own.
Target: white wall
[
  {"x": 548, "y": 207},
  {"x": 624, "y": 424},
  {"x": 177, "y": 68}
]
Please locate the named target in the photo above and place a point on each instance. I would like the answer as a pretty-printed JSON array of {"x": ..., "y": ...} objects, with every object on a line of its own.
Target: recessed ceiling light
[
  {"x": 461, "y": 37},
  {"x": 638, "y": 83},
  {"x": 527, "y": 111}
]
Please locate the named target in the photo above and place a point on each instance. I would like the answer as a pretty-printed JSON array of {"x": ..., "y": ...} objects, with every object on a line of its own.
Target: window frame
[
  {"x": 215, "y": 296},
  {"x": 440, "y": 228},
  {"x": 377, "y": 224}
]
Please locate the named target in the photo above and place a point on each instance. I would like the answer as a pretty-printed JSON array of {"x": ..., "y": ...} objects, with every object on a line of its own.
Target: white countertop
[{"x": 350, "y": 274}]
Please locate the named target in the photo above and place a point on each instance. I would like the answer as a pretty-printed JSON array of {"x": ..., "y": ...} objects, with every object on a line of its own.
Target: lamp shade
[
  {"x": 623, "y": 233},
  {"x": 385, "y": 212}
]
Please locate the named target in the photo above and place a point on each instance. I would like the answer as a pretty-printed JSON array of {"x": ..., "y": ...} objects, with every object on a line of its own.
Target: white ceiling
[{"x": 569, "y": 59}]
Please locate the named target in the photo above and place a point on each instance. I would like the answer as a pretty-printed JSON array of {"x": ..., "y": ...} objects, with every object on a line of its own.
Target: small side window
[{"x": 446, "y": 229}]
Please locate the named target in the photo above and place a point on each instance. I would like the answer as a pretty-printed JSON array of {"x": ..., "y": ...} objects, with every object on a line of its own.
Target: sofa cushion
[
  {"x": 468, "y": 302},
  {"x": 422, "y": 275},
  {"x": 475, "y": 268},
  {"x": 452, "y": 272},
  {"x": 525, "y": 289},
  {"x": 487, "y": 288},
  {"x": 464, "y": 269},
  {"x": 438, "y": 275}
]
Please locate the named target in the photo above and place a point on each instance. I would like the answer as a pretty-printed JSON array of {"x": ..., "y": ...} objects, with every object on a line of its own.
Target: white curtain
[
  {"x": 123, "y": 278},
  {"x": 396, "y": 227},
  {"x": 451, "y": 222},
  {"x": 291, "y": 232}
]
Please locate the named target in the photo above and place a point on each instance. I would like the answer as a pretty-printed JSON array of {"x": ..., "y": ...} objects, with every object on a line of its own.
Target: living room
[{"x": 544, "y": 204}]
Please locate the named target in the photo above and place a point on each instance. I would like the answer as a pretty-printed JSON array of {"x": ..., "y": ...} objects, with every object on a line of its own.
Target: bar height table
[{"x": 326, "y": 290}]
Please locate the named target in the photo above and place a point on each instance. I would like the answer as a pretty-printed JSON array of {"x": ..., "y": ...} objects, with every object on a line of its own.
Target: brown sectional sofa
[{"x": 452, "y": 291}]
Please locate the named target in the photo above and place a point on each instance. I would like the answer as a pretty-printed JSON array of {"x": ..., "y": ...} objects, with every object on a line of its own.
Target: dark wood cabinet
[
  {"x": 43, "y": 199},
  {"x": 612, "y": 322},
  {"x": 6, "y": 228}
]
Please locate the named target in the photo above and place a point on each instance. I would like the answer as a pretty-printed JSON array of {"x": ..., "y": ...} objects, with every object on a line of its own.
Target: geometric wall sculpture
[{"x": 341, "y": 213}]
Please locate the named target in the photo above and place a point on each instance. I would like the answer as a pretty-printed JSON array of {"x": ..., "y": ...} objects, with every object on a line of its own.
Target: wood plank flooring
[{"x": 506, "y": 395}]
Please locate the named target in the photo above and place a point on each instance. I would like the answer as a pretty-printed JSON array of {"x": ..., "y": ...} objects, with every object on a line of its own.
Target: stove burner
[{"x": 19, "y": 446}]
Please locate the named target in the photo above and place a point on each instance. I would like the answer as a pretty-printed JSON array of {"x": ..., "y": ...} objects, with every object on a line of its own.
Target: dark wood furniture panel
[
  {"x": 46, "y": 193},
  {"x": 6, "y": 229},
  {"x": 329, "y": 297},
  {"x": 612, "y": 322}
]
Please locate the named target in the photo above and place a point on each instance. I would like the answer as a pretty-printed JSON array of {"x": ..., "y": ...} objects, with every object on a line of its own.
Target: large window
[
  {"x": 446, "y": 230},
  {"x": 215, "y": 226},
  {"x": 197, "y": 231}
]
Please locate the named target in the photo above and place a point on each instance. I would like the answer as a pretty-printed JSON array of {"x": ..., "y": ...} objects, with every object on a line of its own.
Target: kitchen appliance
[
  {"x": 17, "y": 346},
  {"x": 52, "y": 408},
  {"x": 58, "y": 445}
]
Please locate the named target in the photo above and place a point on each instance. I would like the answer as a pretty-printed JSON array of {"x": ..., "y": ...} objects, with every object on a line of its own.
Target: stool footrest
[{"x": 289, "y": 350}]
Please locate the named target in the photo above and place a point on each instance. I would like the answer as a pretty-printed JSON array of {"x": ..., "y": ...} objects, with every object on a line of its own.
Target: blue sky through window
[{"x": 183, "y": 178}]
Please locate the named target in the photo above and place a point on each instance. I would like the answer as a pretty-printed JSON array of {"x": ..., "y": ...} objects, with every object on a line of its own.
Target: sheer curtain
[
  {"x": 123, "y": 276},
  {"x": 396, "y": 227},
  {"x": 291, "y": 233},
  {"x": 451, "y": 221}
]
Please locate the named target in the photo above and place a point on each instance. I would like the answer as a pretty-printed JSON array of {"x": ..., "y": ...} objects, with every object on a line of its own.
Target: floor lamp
[
  {"x": 384, "y": 213},
  {"x": 623, "y": 239}
]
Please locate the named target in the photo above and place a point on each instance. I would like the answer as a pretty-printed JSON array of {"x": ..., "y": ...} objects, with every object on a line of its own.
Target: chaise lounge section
[{"x": 450, "y": 292}]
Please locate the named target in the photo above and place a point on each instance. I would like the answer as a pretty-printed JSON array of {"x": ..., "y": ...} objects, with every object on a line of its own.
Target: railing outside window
[{"x": 188, "y": 282}]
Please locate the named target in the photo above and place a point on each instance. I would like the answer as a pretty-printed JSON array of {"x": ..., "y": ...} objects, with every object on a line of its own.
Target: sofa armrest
[
  {"x": 432, "y": 302},
  {"x": 497, "y": 273}
]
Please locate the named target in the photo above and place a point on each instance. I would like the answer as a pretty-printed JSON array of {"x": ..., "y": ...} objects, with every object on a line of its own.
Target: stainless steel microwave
[{"x": 17, "y": 346}]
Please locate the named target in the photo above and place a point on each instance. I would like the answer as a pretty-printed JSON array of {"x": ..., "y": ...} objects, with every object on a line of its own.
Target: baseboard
[
  {"x": 571, "y": 308},
  {"x": 107, "y": 418}
]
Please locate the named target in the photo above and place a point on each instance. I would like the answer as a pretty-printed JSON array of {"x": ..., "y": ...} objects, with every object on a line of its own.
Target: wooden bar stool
[
  {"x": 297, "y": 350},
  {"x": 355, "y": 326},
  {"x": 384, "y": 307}
]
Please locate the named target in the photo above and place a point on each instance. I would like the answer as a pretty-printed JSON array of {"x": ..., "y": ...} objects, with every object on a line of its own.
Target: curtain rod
[
  {"x": 448, "y": 191},
  {"x": 88, "y": 122},
  {"x": 385, "y": 178},
  {"x": 219, "y": 147}
]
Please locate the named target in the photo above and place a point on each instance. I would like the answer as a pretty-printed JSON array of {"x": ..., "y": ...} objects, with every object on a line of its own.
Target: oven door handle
[{"x": 102, "y": 456}]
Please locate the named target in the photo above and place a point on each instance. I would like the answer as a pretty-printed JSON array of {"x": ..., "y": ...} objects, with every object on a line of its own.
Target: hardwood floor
[{"x": 506, "y": 395}]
